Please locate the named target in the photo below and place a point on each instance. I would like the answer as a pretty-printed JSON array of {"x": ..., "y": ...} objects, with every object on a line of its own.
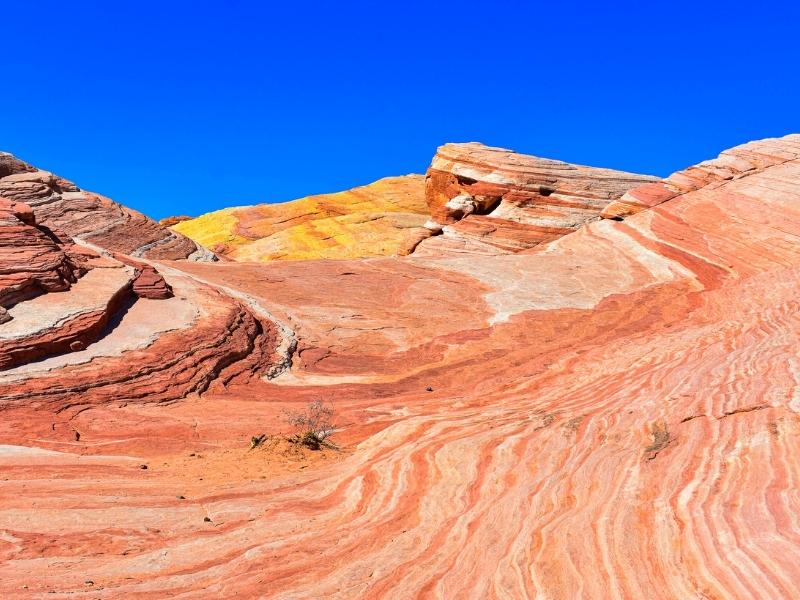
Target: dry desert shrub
[{"x": 313, "y": 426}]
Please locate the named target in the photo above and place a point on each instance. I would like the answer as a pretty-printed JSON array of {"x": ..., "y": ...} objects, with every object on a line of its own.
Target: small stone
[
  {"x": 142, "y": 466},
  {"x": 207, "y": 519},
  {"x": 150, "y": 284}
]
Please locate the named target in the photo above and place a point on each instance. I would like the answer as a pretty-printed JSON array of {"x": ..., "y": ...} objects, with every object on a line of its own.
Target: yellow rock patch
[{"x": 372, "y": 220}]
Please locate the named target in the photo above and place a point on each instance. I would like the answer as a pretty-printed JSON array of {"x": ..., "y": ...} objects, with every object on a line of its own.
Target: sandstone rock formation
[
  {"x": 492, "y": 200},
  {"x": 372, "y": 220},
  {"x": 609, "y": 414},
  {"x": 60, "y": 204},
  {"x": 57, "y": 296},
  {"x": 149, "y": 283},
  {"x": 170, "y": 221},
  {"x": 735, "y": 163},
  {"x": 32, "y": 258},
  {"x": 11, "y": 165}
]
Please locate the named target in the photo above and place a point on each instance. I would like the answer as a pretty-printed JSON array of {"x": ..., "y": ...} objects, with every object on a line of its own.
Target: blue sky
[{"x": 185, "y": 107}]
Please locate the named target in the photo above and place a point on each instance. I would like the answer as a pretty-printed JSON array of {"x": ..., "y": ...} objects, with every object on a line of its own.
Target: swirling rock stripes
[
  {"x": 226, "y": 341},
  {"x": 612, "y": 414}
]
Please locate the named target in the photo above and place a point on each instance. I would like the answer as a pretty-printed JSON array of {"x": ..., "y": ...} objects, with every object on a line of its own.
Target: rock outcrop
[
  {"x": 60, "y": 204},
  {"x": 58, "y": 297},
  {"x": 149, "y": 283},
  {"x": 492, "y": 200},
  {"x": 32, "y": 258},
  {"x": 157, "y": 351},
  {"x": 372, "y": 220},
  {"x": 73, "y": 326},
  {"x": 170, "y": 221},
  {"x": 11, "y": 165},
  {"x": 57, "y": 323},
  {"x": 612, "y": 413},
  {"x": 732, "y": 164}
]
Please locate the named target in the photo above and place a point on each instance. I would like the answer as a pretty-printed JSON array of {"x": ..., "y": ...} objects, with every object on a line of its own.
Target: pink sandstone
[
  {"x": 612, "y": 413},
  {"x": 60, "y": 204},
  {"x": 32, "y": 259},
  {"x": 492, "y": 200}
]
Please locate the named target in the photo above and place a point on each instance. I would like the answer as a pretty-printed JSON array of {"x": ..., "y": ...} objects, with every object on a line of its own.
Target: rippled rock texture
[
  {"x": 60, "y": 204},
  {"x": 372, "y": 220},
  {"x": 610, "y": 414}
]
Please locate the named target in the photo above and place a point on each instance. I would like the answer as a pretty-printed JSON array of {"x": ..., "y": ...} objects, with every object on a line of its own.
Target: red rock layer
[
  {"x": 150, "y": 284},
  {"x": 170, "y": 221},
  {"x": 35, "y": 263},
  {"x": 147, "y": 281},
  {"x": 227, "y": 342},
  {"x": 76, "y": 326},
  {"x": 492, "y": 200},
  {"x": 10, "y": 165},
  {"x": 612, "y": 415},
  {"x": 32, "y": 259},
  {"x": 60, "y": 204}
]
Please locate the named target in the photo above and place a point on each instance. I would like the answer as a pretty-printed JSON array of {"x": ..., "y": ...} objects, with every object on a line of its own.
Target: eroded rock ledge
[
  {"x": 80, "y": 324},
  {"x": 60, "y": 204},
  {"x": 734, "y": 163},
  {"x": 32, "y": 258},
  {"x": 490, "y": 200}
]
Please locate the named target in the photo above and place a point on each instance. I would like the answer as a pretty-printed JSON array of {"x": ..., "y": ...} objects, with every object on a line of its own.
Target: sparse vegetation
[
  {"x": 310, "y": 429},
  {"x": 313, "y": 426},
  {"x": 257, "y": 440}
]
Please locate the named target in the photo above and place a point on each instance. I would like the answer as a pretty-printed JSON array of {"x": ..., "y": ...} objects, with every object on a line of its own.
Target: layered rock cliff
[
  {"x": 82, "y": 323},
  {"x": 33, "y": 259},
  {"x": 372, "y": 220},
  {"x": 475, "y": 199},
  {"x": 609, "y": 414},
  {"x": 492, "y": 200},
  {"x": 59, "y": 204}
]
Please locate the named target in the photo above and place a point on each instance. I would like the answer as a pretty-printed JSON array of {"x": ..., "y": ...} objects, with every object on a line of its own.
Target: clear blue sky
[{"x": 184, "y": 107}]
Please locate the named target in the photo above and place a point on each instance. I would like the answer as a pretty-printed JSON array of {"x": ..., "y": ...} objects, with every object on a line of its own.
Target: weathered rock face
[
  {"x": 170, "y": 221},
  {"x": 69, "y": 312},
  {"x": 492, "y": 200},
  {"x": 157, "y": 350},
  {"x": 150, "y": 284},
  {"x": 32, "y": 259},
  {"x": 738, "y": 162},
  {"x": 58, "y": 297},
  {"x": 60, "y": 204},
  {"x": 11, "y": 165},
  {"x": 610, "y": 414},
  {"x": 373, "y": 220},
  {"x": 57, "y": 323}
]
